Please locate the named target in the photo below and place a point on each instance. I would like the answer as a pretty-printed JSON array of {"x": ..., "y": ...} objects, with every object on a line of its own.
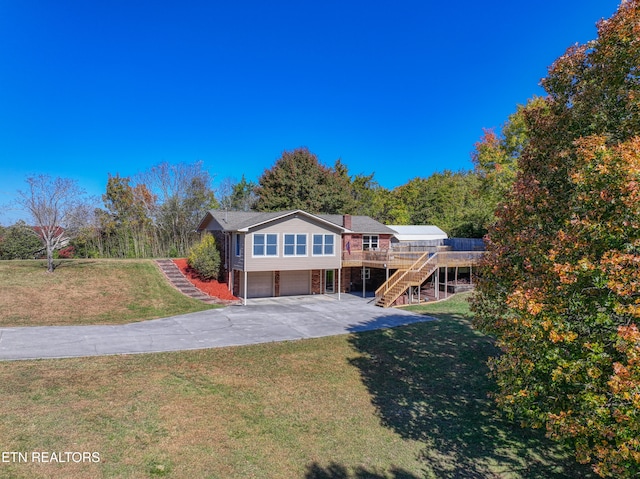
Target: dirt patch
[{"x": 211, "y": 287}]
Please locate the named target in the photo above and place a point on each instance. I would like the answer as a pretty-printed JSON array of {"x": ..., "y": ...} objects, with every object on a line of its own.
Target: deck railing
[{"x": 402, "y": 260}]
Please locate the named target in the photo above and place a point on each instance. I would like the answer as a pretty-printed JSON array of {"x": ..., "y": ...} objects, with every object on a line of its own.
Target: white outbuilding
[{"x": 413, "y": 233}]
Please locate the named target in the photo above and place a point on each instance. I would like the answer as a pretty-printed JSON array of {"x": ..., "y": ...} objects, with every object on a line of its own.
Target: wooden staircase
[{"x": 403, "y": 279}]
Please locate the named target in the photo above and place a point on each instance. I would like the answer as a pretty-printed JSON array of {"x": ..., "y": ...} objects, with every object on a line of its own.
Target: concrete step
[{"x": 182, "y": 284}]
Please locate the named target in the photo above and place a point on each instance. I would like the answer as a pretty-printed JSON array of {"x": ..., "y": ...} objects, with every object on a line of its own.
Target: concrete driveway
[{"x": 261, "y": 321}]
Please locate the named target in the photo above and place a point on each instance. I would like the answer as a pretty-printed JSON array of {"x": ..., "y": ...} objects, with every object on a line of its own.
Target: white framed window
[
  {"x": 295, "y": 244},
  {"x": 323, "y": 245},
  {"x": 370, "y": 242},
  {"x": 265, "y": 244}
]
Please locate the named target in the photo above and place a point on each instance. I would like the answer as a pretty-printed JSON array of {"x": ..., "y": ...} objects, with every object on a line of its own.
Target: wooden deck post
[{"x": 446, "y": 281}]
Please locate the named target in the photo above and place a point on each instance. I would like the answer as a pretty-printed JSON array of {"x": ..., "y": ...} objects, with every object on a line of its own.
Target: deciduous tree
[
  {"x": 184, "y": 194},
  {"x": 51, "y": 203},
  {"x": 560, "y": 286},
  {"x": 299, "y": 181},
  {"x": 448, "y": 200},
  {"x": 496, "y": 156}
]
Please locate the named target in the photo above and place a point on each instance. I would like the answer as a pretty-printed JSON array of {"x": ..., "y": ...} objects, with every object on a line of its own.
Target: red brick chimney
[{"x": 346, "y": 221}]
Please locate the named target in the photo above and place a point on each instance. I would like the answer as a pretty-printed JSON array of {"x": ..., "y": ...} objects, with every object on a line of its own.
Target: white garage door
[
  {"x": 293, "y": 283},
  {"x": 260, "y": 284}
]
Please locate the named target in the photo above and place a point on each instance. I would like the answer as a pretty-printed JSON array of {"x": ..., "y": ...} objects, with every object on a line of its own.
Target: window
[
  {"x": 265, "y": 245},
  {"x": 323, "y": 245},
  {"x": 238, "y": 245},
  {"x": 295, "y": 245},
  {"x": 369, "y": 242}
]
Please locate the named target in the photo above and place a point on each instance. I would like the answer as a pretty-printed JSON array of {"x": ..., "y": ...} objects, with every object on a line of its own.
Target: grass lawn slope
[
  {"x": 87, "y": 292},
  {"x": 404, "y": 403}
]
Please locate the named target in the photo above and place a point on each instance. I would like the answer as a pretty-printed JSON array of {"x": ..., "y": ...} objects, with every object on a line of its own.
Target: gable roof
[{"x": 243, "y": 220}]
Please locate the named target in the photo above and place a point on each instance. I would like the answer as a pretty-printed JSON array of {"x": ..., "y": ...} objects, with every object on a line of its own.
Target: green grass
[
  {"x": 407, "y": 403},
  {"x": 87, "y": 292}
]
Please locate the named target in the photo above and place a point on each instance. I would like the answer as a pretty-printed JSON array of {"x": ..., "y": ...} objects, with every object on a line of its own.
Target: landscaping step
[{"x": 182, "y": 284}]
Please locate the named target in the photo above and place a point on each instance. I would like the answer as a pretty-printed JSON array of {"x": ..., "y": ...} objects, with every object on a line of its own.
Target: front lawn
[{"x": 407, "y": 403}]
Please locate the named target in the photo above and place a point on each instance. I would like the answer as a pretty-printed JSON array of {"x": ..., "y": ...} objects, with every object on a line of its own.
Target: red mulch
[{"x": 211, "y": 287}]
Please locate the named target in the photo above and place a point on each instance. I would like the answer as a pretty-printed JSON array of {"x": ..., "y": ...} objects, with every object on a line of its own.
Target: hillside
[{"x": 87, "y": 291}]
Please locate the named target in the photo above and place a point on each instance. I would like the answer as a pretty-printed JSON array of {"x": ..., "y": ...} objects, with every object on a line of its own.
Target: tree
[
  {"x": 184, "y": 194},
  {"x": 52, "y": 203},
  {"x": 371, "y": 199},
  {"x": 127, "y": 223},
  {"x": 19, "y": 241},
  {"x": 448, "y": 200},
  {"x": 496, "y": 156},
  {"x": 238, "y": 196},
  {"x": 560, "y": 285},
  {"x": 298, "y": 181}
]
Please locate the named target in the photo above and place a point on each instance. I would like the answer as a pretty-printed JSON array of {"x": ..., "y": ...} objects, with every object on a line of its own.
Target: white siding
[{"x": 292, "y": 225}]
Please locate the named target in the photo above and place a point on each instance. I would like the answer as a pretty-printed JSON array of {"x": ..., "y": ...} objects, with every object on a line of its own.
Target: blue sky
[{"x": 402, "y": 89}]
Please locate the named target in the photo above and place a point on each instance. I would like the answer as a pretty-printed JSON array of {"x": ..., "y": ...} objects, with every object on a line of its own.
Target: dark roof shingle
[{"x": 238, "y": 220}]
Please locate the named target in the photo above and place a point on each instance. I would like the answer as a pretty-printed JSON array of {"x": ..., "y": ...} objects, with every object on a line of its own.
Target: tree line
[{"x": 155, "y": 213}]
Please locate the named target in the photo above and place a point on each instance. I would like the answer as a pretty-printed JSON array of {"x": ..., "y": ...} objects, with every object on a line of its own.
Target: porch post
[
  {"x": 364, "y": 281},
  {"x": 446, "y": 282},
  {"x": 244, "y": 302},
  {"x": 339, "y": 282}
]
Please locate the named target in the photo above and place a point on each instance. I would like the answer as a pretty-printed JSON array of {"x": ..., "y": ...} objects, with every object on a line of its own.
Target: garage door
[
  {"x": 260, "y": 284},
  {"x": 293, "y": 283}
]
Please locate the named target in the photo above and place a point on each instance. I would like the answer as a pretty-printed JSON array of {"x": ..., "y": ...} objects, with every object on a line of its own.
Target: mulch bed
[{"x": 211, "y": 287}]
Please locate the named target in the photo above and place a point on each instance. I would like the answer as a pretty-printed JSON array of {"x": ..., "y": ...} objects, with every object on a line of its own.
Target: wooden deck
[
  {"x": 412, "y": 269},
  {"x": 403, "y": 260}
]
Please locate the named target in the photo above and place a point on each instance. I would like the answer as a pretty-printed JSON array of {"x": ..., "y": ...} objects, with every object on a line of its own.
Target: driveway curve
[{"x": 261, "y": 321}]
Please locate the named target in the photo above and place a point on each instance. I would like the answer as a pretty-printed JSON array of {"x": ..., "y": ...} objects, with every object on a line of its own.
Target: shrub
[
  {"x": 204, "y": 258},
  {"x": 19, "y": 241}
]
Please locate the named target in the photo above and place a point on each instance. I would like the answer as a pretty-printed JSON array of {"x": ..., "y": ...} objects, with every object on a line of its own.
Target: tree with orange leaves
[{"x": 560, "y": 286}]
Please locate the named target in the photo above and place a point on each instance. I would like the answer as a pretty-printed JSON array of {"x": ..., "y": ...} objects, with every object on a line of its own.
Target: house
[{"x": 294, "y": 252}]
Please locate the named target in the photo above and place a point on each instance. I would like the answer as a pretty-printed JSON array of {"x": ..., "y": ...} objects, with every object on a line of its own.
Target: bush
[
  {"x": 204, "y": 258},
  {"x": 19, "y": 241}
]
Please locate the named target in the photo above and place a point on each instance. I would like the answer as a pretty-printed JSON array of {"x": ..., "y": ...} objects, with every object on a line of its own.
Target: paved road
[{"x": 261, "y": 321}]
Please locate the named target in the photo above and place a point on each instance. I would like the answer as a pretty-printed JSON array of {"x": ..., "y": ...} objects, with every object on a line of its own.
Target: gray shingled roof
[
  {"x": 238, "y": 220},
  {"x": 360, "y": 224}
]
